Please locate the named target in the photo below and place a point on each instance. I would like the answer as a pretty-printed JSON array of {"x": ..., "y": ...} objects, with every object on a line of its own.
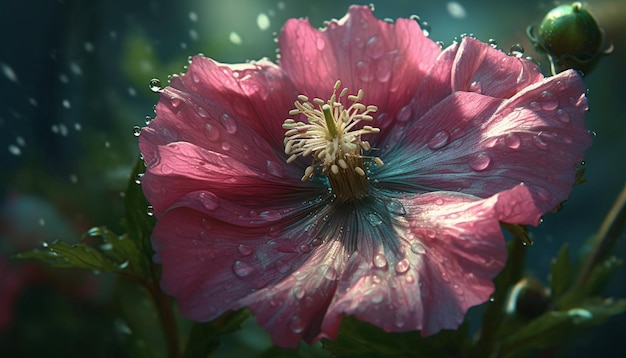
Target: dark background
[{"x": 74, "y": 82}]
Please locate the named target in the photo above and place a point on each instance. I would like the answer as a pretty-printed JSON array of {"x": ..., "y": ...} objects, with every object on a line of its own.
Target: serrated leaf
[
  {"x": 554, "y": 327},
  {"x": 357, "y": 338},
  {"x": 561, "y": 272},
  {"x": 64, "y": 255}
]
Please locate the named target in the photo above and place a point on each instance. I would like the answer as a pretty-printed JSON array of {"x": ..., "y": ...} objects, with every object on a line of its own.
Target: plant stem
[{"x": 167, "y": 318}]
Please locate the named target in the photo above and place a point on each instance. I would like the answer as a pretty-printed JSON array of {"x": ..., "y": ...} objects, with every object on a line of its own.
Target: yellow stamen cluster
[{"x": 330, "y": 137}]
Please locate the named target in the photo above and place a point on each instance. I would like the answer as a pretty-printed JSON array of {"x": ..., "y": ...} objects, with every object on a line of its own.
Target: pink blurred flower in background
[{"x": 384, "y": 205}]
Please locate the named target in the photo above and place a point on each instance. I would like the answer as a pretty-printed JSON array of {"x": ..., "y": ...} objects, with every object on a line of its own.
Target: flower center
[{"x": 329, "y": 136}]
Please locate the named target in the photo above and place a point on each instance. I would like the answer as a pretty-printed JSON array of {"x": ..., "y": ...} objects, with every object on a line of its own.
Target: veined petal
[
  {"x": 441, "y": 261},
  {"x": 481, "y": 145},
  {"x": 217, "y": 105},
  {"x": 386, "y": 60}
]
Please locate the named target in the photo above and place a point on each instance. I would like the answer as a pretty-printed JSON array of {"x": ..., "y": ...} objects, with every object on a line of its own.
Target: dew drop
[
  {"x": 304, "y": 248},
  {"x": 517, "y": 50},
  {"x": 512, "y": 141},
  {"x": 202, "y": 112},
  {"x": 549, "y": 101},
  {"x": 539, "y": 143},
  {"x": 480, "y": 162},
  {"x": 562, "y": 115},
  {"x": 282, "y": 266},
  {"x": 444, "y": 276},
  {"x": 229, "y": 124},
  {"x": 396, "y": 207},
  {"x": 296, "y": 324},
  {"x": 274, "y": 231},
  {"x": 476, "y": 87},
  {"x": 123, "y": 265},
  {"x": 245, "y": 250},
  {"x": 404, "y": 114},
  {"x": 155, "y": 85},
  {"x": 226, "y": 146},
  {"x": 150, "y": 210},
  {"x": 263, "y": 21},
  {"x": 330, "y": 273},
  {"x": 439, "y": 140},
  {"x": 374, "y": 219},
  {"x": 136, "y": 131},
  {"x": 270, "y": 215},
  {"x": 242, "y": 269},
  {"x": 410, "y": 279},
  {"x": 377, "y": 296},
  {"x": 320, "y": 43},
  {"x": 298, "y": 292},
  {"x": 418, "y": 248},
  {"x": 15, "y": 150},
  {"x": 402, "y": 266},
  {"x": 364, "y": 71},
  {"x": 209, "y": 200},
  {"x": 212, "y": 133},
  {"x": 234, "y": 38},
  {"x": 380, "y": 260},
  {"x": 374, "y": 47}
]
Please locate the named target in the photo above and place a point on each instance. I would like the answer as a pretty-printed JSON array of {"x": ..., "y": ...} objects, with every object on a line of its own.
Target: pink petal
[
  {"x": 387, "y": 61},
  {"x": 219, "y": 106},
  {"x": 481, "y": 145},
  {"x": 480, "y": 68},
  {"x": 448, "y": 248},
  {"x": 209, "y": 264}
]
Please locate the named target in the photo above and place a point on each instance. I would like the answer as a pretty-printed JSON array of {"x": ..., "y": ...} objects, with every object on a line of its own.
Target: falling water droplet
[
  {"x": 242, "y": 269},
  {"x": 480, "y": 162},
  {"x": 439, "y": 140},
  {"x": 155, "y": 85}
]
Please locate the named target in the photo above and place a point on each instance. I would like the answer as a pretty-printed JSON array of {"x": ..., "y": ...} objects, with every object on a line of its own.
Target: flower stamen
[{"x": 330, "y": 138}]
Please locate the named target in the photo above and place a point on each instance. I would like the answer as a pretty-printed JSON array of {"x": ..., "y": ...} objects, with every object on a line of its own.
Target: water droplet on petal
[
  {"x": 396, "y": 207},
  {"x": 329, "y": 273},
  {"x": 375, "y": 47},
  {"x": 562, "y": 115},
  {"x": 549, "y": 101},
  {"x": 229, "y": 124},
  {"x": 150, "y": 210},
  {"x": 270, "y": 215},
  {"x": 402, "y": 266},
  {"x": 512, "y": 141},
  {"x": 410, "y": 279},
  {"x": 245, "y": 250},
  {"x": 480, "y": 162},
  {"x": 226, "y": 146},
  {"x": 539, "y": 143},
  {"x": 212, "y": 133},
  {"x": 377, "y": 296},
  {"x": 380, "y": 260},
  {"x": 282, "y": 266},
  {"x": 242, "y": 269},
  {"x": 374, "y": 219},
  {"x": 439, "y": 140},
  {"x": 155, "y": 85},
  {"x": 476, "y": 87},
  {"x": 274, "y": 168},
  {"x": 209, "y": 200},
  {"x": 304, "y": 248},
  {"x": 405, "y": 113},
  {"x": 298, "y": 292},
  {"x": 363, "y": 70},
  {"x": 296, "y": 325},
  {"x": 418, "y": 248},
  {"x": 136, "y": 131}
]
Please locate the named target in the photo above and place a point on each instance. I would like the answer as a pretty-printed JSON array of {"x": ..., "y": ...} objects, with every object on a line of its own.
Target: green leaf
[
  {"x": 205, "y": 337},
  {"x": 561, "y": 272},
  {"x": 357, "y": 338},
  {"x": 62, "y": 254},
  {"x": 137, "y": 222},
  {"x": 600, "y": 275},
  {"x": 555, "y": 327}
]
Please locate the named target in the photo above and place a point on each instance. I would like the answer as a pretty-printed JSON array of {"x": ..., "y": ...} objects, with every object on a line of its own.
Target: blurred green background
[{"x": 74, "y": 82}]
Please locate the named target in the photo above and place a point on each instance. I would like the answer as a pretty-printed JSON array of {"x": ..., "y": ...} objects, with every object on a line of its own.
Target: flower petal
[
  {"x": 480, "y": 68},
  {"x": 447, "y": 249},
  {"x": 482, "y": 145},
  {"x": 217, "y": 105},
  {"x": 386, "y": 60}
]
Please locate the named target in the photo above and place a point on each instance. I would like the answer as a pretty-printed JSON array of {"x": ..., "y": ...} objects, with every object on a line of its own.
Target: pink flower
[{"x": 395, "y": 222}]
